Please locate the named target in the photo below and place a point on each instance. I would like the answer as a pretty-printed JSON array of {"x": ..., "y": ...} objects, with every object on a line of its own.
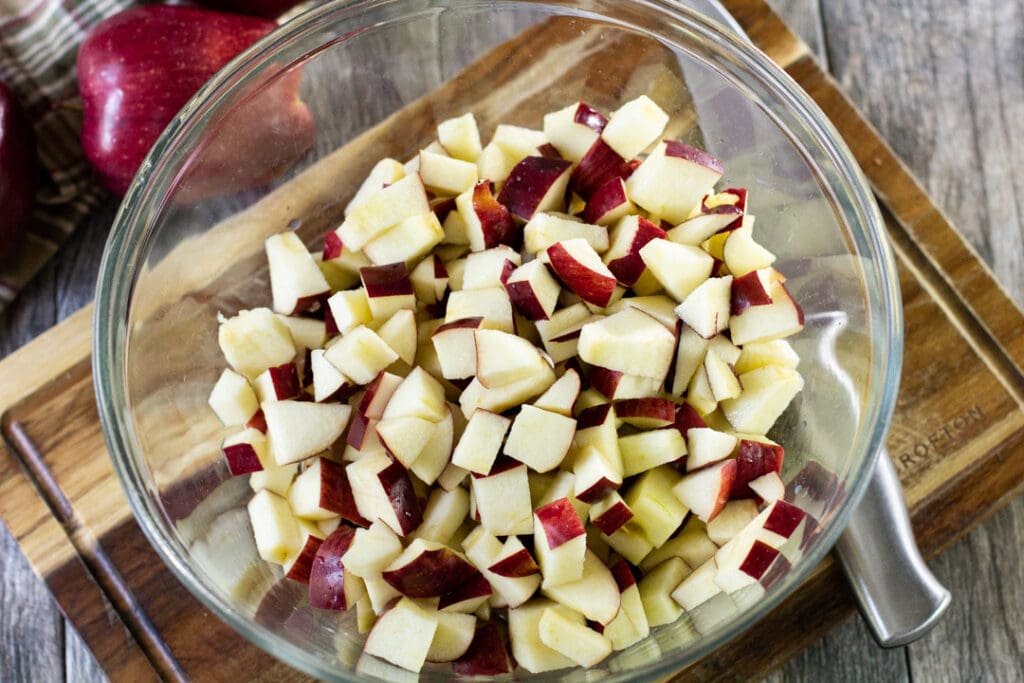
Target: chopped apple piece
[
  {"x": 487, "y": 654},
  {"x": 405, "y": 437},
  {"x": 481, "y": 441},
  {"x": 298, "y": 566},
  {"x": 445, "y": 175},
  {"x": 540, "y": 438},
  {"x": 503, "y": 358},
  {"x": 597, "y": 472},
  {"x": 646, "y": 450},
  {"x": 634, "y": 126},
  {"x": 233, "y": 400},
  {"x": 599, "y": 166},
  {"x": 533, "y": 291},
  {"x": 691, "y": 544},
  {"x": 246, "y": 452},
  {"x": 657, "y": 512},
  {"x": 742, "y": 254},
  {"x": 361, "y": 355},
  {"x": 418, "y": 395},
  {"x": 278, "y": 383},
  {"x": 572, "y": 638},
  {"x": 781, "y": 318},
  {"x": 613, "y": 341},
  {"x": 656, "y": 591},
  {"x": 756, "y": 355},
  {"x": 384, "y": 209},
  {"x": 385, "y": 172},
  {"x": 561, "y": 396},
  {"x": 373, "y": 549},
  {"x": 453, "y": 636},
  {"x": 427, "y": 569},
  {"x": 706, "y": 491},
  {"x": 492, "y": 305},
  {"x": 707, "y": 446},
  {"x": 595, "y": 593},
  {"x": 608, "y": 204},
  {"x": 407, "y": 242},
  {"x": 323, "y": 491},
  {"x": 535, "y": 184},
  {"x": 706, "y": 309},
  {"x": 299, "y": 429},
  {"x": 678, "y": 267},
  {"x": 437, "y": 451},
  {"x": 255, "y": 340},
  {"x": 296, "y": 283},
  {"x": 574, "y": 129},
  {"x": 769, "y": 487},
  {"x": 403, "y": 635},
  {"x": 766, "y": 393},
  {"x": 331, "y": 586},
  {"x": 524, "y": 633},
  {"x": 610, "y": 513},
  {"x": 348, "y": 310},
  {"x": 580, "y": 269},
  {"x": 628, "y": 237},
  {"x": 383, "y": 490},
  {"x": 503, "y": 498},
  {"x": 460, "y": 137},
  {"x": 733, "y": 518},
  {"x": 560, "y": 542},
  {"x": 672, "y": 180},
  {"x": 487, "y": 222},
  {"x": 545, "y": 229},
  {"x": 275, "y": 529}
]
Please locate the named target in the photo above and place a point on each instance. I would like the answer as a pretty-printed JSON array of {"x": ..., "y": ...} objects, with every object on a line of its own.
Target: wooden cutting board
[{"x": 959, "y": 421}]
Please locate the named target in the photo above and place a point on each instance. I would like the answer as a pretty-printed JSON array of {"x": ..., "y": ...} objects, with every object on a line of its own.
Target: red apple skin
[
  {"x": 741, "y": 202},
  {"x": 333, "y": 246},
  {"x": 358, "y": 426},
  {"x": 19, "y": 171},
  {"x": 442, "y": 207},
  {"x": 593, "y": 416},
  {"x": 784, "y": 519},
  {"x": 522, "y": 296},
  {"x": 527, "y": 184},
  {"x": 303, "y": 564},
  {"x": 285, "y": 379},
  {"x": 476, "y": 587},
  {"x": 799, "y": 309},
  {"x": 396, "y": 483},
  {"x": 814, "y": 481},
  {"x": 560, "y": 522},
  {"x": 269, "y": 9},
  {"x": 758, "y": 560},
  {"x": 590, "y": 117},
  {"x": 630, "y": 267},
  {"x": 606, "y": 198},
  {"x": 139, "y": 67},
  {"x": 327, "y": 575},
  {"x": 598, "y": 490},
  {"x": 242, "y": 459},
  {"x": 604, "y": 380},
  {"x": 430, "y": 574},
  {"x": 336, "y": 493},
  {"x": 598, "y": 166},
  {"x": 623, "y": 575},
  {"x": 613, "y": 518},
  {"x": 753, "y": 459},
  {"x": 387, "y": 280},
  {"x": 663, "y": 409},
  {"x": 549, "y": 151},
  {"x": 495, "y": 218},
  {"x": 516, "y": 565},
  {"x": 728, "y": 478},
  {"x": 487, "y": 654},
  {"x": 591, "y": 286},
  {"x": 687, "y": 418},
  {"x": 675, "y": 148},
  {"x": 257, "y": 422},
  {"x": 746, "y": 291}
]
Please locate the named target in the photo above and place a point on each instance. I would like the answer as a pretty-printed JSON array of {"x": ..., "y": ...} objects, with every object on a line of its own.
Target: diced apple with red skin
[
  {"x": 405, "y": 198},
  {"x": 516, "y": 585},
  {"x": 233, "y": 400},
  {"x": 427, "y": 569},
  {"x": 758, "y": 354},
  {"x": 616, "y": 385},
  {"x": 468, "y": 597},
  {"x": 696, "y": 588},
  {"x": 781, "y": 318},
  {"x": 429, "y": 279},
  {"x": 707, "y": 446},
  {"x": 734, "y": 518},
  {"x": 613, "y": 342},
  {"x": 743, "y": 561},
  {"x": 628, "y": 237},
  {"x": 629, "y": 542},
  {"x": 610, "y": 513},
  {"x": 646, "y": 450},
  {"x": 706, "y": 491},
  {"x": 516, "y": 564},
  {"x": 691, "y": 544},
  {"x": 388, "y": 289},
  {"x": 299, "y": 429},
  {"x": 274, "y": 527},
  {"x": 500, "y": 399},
  {"x": 597, "y": 474},
  {"x": 561, "y": 396},
  {"x": 535, "y": 184},
  {"x": 698, "y": 229},
  {"x": 524, "y": 633},
  {"x": 673, "y": 179},
  {"x": 597, "y": 427},
  {"x": 634, "y": 126},
  {"x": 400, "y": 332},
  {"x": 255, "y": 340},
  {"x": 331, "y": 586},
  {"x": 460, "y": 137},
  {"x": 278, "y": 383},
  {"x": 481, "y": 441},
  {"x": 455, "y": 344},
  {"x": 503, "y": 358},
  {"x": 323, "y": 491},
  {"x": 600, "y": 165},
  {"x": 444, "y": 513},
  {"x": 487, "y": 221},
  {"x": 347, "y": 310},
  {"x": 487, "y": 654},
  {"x": 580, "y": 269},
  {"x": 574, "y": 129},
  {"x": 383, "y": 490},
  {"x": 329, "y": 384},
  {"x": 246, "y": 452},
  {"x": 503, "y": 498},
  {"x": 688, "y": 418},
  {"x": 340, "y": 266},
  {"x": 539, "y": 438},
  {"x": 560, "y": 333},
  {"x": 403, "y": 634},
  {"x": 385, "y": 172},
  {"x": 562, "y": 484},
  {"x": 296, "y": 283},
  {"x": 630, "y": 626},
  {"x": 533, "y": 291},
  {"x": 453, "y": 636},
  {"x": 373, "y": 549},
  {"x": 657, "y": 511},
  {"x": 755, "y": 459},
  {"x": 608, "y": 204},
  {"x": 298, "y": 566},
  {"x": 595, "y": 593},
  {"x": 545, "y": 229},
  {"x": 560, "y": 542},
  {"x": 418, "y": 395},
  {"x": 749, "y": 290},
  {"x": 491, "y": 304},
  {"x": 766, "y": 393},
  {"x": 721, "y": 377},
  {"x": 566, "y": 632},
  {"x": 646, "y": 413}
]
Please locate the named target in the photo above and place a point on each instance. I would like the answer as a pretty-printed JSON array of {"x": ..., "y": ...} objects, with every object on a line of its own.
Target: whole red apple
[
  {"x": 139, "y": 67},
  {"x": 255, "y": 8},
  {"x": 19, "y": 171}
]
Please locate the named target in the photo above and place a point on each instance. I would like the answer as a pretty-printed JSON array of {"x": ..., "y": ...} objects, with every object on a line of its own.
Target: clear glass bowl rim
[{"x": 132, "y": 229}]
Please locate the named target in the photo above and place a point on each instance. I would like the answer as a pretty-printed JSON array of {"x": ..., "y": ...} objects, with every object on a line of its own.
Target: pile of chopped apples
[{"x": 515, "y": 411}]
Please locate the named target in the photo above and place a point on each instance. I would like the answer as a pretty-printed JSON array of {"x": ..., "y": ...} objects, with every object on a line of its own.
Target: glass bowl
[{"x": 377, "y": 77}]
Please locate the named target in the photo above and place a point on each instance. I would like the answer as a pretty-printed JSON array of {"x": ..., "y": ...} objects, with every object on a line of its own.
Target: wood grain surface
[{"x": 943, "y": 83}]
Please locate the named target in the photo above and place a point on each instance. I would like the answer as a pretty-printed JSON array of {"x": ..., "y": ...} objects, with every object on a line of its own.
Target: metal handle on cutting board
[{"x": 899, "y": 596}]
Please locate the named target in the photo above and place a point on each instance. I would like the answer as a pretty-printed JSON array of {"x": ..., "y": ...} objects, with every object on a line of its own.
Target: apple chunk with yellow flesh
[
  {"x": 672, "y": 180},
  {"x": 232, "y": 399},
  {"x": 403, "y": 634},
  {"x": 296, "y": 283},
  {"x": 299, "y": 429},
  {"x": 595, "y": 594},
  {"x": 383, "y": 490},
  {"x": 560, "y": 542},
  {"x": 613, "y": 342}
]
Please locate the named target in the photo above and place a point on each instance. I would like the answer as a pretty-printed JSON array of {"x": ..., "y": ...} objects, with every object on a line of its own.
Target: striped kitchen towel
[{"x": 39, "y": 42}]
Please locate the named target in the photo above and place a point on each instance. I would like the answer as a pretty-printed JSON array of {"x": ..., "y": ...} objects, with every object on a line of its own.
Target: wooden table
[{"x": 943, "y": 82}]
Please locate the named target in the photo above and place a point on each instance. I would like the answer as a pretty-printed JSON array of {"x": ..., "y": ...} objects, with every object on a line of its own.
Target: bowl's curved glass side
[{"x": 179, "y": 256}]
